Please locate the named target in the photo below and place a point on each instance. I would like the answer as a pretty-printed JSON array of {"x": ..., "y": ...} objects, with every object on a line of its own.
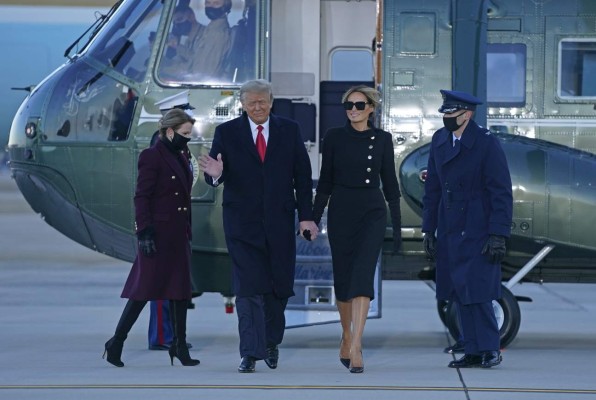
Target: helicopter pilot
[{"x": 197, "y": 51}]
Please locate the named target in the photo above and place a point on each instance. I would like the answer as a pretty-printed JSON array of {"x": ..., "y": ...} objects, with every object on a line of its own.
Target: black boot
[
  {"x": 113, "y": 347},
  {"x": 179, "y": 349}
]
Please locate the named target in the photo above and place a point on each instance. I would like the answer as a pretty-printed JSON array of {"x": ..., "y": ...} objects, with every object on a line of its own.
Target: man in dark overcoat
[
  {"x": 467, "y": 215},
  {"x": 263, "y": 165}
]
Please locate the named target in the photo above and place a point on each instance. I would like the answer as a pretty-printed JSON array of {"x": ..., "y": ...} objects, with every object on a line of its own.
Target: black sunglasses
[{"x": 360, "y": 105}]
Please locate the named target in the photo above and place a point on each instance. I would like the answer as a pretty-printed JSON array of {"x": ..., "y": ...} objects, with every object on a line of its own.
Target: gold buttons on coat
[
  {"x": 367, "y": 181},
  {"x": 370, "y": 157},
  {"x": 370, "y": 147},
  {"x": 176, "y": 194},
  {"x": 368, "y": 170},
  {"x": 179, "y": 208},
  {"x": 173, "y": 177}
]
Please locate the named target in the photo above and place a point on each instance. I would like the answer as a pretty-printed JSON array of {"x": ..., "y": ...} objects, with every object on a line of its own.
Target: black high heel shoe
[
  {"x": 344, "y": 361},
  {"x": 357, "y": 370},
  {"x": 113, "y": 349},
  {"x": 180, "y": 351}
]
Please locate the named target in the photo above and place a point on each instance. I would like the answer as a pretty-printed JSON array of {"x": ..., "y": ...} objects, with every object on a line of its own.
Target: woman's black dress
[{"x": 353, "y": 167}]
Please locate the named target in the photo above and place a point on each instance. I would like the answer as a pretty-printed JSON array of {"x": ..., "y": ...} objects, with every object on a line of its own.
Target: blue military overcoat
[
  {"x": 259, "y": 203},
  {"x": 467, "y": 198},
  {"x": 162, "y": 201}
]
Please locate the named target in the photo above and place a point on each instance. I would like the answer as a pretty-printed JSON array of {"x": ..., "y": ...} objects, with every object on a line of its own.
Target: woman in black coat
[
  {"x": 357, "y": 160},
  {"x": 161, "y": 269}
]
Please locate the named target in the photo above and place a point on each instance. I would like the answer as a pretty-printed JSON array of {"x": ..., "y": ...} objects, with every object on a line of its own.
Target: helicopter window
[
  {"x": 204, "y": 46},
  {"x": 577, "y": 68},
  {"x": 351, "y": 65},
  {"x": 506, "y": 72},
  {"x": 87, "y": 106},
  {"x": 128, "y": 37},
  {"x": 416, "y": 33}
]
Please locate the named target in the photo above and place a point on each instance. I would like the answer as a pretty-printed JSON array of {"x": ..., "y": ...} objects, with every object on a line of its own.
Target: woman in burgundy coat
[{"x": 162, "y": 213}]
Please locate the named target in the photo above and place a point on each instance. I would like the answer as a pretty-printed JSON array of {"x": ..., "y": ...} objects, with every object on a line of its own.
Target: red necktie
[{"x": 261, "y": 145}]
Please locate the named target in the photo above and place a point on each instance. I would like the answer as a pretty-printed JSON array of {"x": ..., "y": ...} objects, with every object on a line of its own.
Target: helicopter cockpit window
[
  {"x": 92, "y": 103},
  {"x": 577, "y": 68},
  {"x": 210, "y": 42},
  {"x": 128, "y": 39},
  {"x": 506, "y": 71},
  {"x": 89, "y": 106}
]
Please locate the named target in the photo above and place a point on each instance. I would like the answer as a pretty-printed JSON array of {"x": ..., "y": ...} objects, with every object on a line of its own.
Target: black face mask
[
  {"x": 451, "y": 123},
  {"x": 214, "y": 12},
  {"x": 182, "y": 28},
  {"x": 179, "y": 142}
]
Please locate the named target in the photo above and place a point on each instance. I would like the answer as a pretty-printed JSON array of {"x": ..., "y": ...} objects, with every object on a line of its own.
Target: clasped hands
[{"x": 308, "y": 230}]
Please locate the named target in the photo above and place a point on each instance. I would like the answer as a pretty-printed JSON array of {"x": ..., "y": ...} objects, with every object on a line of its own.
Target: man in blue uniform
[{"x": 466, "y": 220}]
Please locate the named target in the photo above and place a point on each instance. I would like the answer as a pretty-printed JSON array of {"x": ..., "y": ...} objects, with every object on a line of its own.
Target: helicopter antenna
[{"x": 25, "y": 88}]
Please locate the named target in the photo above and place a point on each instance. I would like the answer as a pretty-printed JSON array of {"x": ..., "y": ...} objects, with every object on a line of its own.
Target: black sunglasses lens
[{"x": 360, "y": 105}]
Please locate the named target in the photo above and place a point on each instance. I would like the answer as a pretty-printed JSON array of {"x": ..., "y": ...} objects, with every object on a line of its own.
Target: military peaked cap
[{"x": 454, "y": 100}]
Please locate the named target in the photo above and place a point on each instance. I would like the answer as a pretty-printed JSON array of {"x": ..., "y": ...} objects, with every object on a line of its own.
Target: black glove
[
  {"x": 495, "y": 248},
  {"x": 430, "y": 244},
  {"x": 306, "y": 234},
  {"x": 147, "y": 246},
  {"x": 146, "y": 242},
  {"x": 321, "y": 201},
  {"x": 395, "y": 212}
]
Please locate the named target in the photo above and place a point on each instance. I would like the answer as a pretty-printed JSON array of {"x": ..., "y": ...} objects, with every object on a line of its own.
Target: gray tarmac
[{"x": 59, "y": 303}]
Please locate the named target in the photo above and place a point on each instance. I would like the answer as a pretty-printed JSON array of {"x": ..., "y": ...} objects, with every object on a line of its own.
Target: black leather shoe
[
  {"x": 456, "y": 348},
  {"x": 247, "y": 364},
  {"x": 467, "y": 361},
  {"x": 272, "y": 357},
  {"x": 491, "y": 358}
]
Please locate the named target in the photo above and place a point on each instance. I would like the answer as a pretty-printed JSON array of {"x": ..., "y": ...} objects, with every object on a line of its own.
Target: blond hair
[
  {"x": 174, "y": 119},
  {"x": 373, "y": 96}
]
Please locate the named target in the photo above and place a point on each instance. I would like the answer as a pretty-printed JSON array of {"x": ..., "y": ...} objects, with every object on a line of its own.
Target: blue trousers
[
  {"x": 480, "y": 330},
  {"x": 261, "y": 323},
  {"x": 160, "y": 325}
]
